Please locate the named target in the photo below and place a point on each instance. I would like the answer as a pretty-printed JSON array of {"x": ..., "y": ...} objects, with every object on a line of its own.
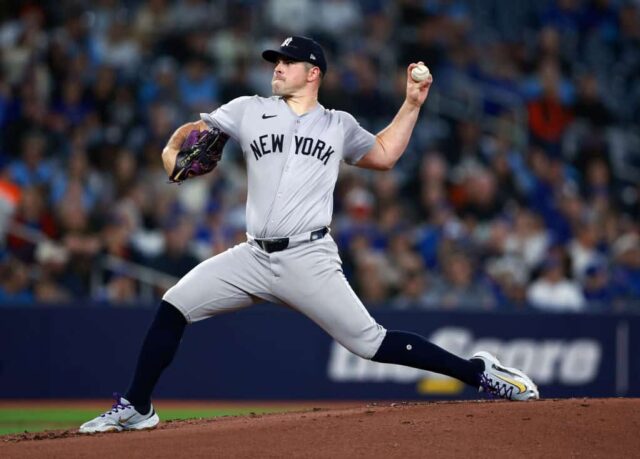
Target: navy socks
[
  {"x": 404, "y": 348},
  {"x": 398, "y": 347},
  {"x": 158, "y": 350}
]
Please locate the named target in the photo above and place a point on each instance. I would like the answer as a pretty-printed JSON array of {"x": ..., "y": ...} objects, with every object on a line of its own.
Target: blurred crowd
[{"x": 520, "y": 188}]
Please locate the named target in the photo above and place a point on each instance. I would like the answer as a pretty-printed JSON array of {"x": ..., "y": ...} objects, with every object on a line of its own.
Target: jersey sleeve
[
  {"x": 228, "y": 117},
  {"x": 357, "y": 140}
]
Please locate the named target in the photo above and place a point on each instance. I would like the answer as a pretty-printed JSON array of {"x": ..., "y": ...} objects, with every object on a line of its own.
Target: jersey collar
[{"x": 313, "y": 111}]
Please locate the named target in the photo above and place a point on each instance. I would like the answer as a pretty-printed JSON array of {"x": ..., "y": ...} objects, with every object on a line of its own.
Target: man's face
[{"x": 288, "y": 77}]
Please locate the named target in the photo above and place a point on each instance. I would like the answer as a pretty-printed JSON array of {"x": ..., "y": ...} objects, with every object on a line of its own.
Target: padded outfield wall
[{"x": 269, "y": 352}]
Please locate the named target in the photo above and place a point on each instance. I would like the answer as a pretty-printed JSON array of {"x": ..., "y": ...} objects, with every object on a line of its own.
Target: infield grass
[{"x": 19, "y": 420}]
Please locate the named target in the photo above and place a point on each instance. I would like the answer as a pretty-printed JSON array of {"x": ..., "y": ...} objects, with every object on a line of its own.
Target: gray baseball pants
[{"x": 307, "y": 277}]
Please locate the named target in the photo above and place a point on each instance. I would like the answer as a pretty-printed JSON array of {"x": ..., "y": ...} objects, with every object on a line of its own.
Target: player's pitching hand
[{"x": 417, "y": 91}]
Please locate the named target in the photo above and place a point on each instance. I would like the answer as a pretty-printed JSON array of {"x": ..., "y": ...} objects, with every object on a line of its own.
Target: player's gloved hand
[{"x": 199, "y": 154}]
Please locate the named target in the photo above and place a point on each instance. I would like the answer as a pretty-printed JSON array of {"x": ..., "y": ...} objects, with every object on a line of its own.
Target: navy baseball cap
[{"x": 299, "y": 49}]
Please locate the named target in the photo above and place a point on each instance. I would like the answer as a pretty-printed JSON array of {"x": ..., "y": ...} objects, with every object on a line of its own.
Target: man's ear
[{"x": 314, "y": 73}]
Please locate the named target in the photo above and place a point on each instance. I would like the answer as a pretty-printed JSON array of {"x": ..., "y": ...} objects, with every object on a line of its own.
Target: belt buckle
[
  {"x": 280, "y": 244},
  {"x": 275, "y": 245}
]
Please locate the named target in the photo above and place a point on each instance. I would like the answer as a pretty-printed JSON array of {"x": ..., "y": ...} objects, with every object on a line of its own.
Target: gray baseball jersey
[
  {"x": 292, "y": 163},
  {"x": 292, "y": 160}
]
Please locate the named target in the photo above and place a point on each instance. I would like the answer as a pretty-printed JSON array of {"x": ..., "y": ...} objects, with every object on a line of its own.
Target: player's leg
[
  {"x": 482, "y": 371},
  {"x": 157, "y": 352},
  {"x": 227, "y": 282},
  {"x": 313, "y": 283}
]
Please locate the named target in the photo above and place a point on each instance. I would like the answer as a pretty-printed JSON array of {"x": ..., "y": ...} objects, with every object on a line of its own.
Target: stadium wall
[{"x": 268, "y": 352}]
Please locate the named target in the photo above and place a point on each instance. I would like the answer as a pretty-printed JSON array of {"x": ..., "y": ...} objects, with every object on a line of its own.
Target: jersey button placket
[
  {"x": 282, "y": 183},
  {"x": 292, "y": 152}
]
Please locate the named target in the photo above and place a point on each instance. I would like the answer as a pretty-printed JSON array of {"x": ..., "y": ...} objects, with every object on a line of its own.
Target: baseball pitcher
[{"x": 293, "y": 148}]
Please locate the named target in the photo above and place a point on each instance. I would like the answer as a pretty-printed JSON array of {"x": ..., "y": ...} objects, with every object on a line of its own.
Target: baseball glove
[{"x": 199, "y": 154}]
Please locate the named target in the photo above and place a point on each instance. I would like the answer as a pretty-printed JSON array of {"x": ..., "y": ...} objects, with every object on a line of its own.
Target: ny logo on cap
[
  {"x": 312, "y": 57},
  {"x": 287, "y": 42}
]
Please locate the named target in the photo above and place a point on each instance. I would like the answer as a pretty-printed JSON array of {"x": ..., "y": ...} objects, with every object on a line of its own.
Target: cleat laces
[
  {"x": 497, "y": 388},
  {"x": 117, "y": 406}
]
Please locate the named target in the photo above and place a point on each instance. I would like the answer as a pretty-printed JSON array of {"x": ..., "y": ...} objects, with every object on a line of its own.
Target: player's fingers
[{"x": 409, "y": 69}]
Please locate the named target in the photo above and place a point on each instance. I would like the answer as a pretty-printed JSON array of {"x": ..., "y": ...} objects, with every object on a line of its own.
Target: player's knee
[
  {"x": 366, "y": 344},
  {"x": 359, "y": 350},
  {"x": 169, "y": 314}
]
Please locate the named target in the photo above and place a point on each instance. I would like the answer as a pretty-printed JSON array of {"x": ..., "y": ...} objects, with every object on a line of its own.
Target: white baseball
[{"x": 420, "y": 73}]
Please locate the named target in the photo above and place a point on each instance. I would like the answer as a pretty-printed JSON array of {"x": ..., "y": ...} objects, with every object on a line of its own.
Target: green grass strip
[{"x": 14, "y": 420}]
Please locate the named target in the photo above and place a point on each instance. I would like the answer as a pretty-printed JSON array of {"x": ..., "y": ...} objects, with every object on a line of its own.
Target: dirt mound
[{"x": 546, "y": 428}]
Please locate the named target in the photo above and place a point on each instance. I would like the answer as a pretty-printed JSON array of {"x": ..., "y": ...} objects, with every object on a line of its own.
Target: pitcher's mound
[{"x": 545, "y": 428}]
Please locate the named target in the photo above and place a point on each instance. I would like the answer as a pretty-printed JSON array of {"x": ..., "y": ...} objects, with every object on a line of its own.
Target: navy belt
[{"x": 276, "y": 245}]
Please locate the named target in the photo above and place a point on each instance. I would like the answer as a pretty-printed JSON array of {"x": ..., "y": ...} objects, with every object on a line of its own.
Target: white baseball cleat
[
  {"x": 121, "y": 416},
  {"x": 505, "y": 382}
]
